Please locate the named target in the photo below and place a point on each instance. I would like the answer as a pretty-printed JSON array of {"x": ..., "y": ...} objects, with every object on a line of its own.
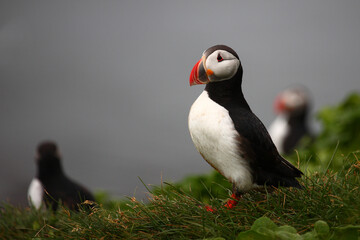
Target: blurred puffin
[
  {"x": 292, "y": 106},
  {"x": 227, "y": 133},
  {"x": 51, "y": 185}
]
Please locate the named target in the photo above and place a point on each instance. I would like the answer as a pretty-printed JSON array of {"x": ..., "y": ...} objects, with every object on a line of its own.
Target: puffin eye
[{"x": 219, "y": 58}]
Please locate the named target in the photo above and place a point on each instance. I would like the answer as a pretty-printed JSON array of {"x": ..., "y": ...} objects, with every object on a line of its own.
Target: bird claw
[
  {"x": 210, "y": 209},
  {"x": 231, "y": 203}
]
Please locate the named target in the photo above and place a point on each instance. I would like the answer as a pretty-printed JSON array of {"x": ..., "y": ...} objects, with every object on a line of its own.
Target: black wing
[
  {"x": 256, "y": 146},
  {"x": 69, "y": 192}
]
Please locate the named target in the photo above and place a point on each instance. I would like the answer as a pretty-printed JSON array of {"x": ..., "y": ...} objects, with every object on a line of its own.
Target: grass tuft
[{"x": 171, "y": 213}]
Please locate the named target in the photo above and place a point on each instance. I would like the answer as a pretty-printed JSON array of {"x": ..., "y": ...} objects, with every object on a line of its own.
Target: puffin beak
[
  {"x": 279, "y": 105},
  {"x": 198, "y": 74}
]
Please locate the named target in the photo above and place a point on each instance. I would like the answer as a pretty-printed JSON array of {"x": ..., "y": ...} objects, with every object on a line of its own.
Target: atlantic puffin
[
  {"x": 51, "y": 185},
  {"x": 291, "y": 124},
  {"x": 227, "y": 134}
]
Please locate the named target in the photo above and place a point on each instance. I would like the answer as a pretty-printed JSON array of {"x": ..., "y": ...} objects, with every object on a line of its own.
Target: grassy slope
[
  {"x": 178, "y": 211},
  {"x": 171, "y": 213}
]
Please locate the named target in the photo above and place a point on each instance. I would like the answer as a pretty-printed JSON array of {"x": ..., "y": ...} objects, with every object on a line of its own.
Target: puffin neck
[
  {"x": 299, "y": 119},
  {"x": 228, "y": 93},
  {"x": 49, "y": 167}
]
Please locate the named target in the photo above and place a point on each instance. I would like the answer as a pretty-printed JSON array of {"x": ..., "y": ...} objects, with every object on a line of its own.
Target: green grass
[
  {"x": 327, "y": 208},
  {"x": 171, "y": 213}
]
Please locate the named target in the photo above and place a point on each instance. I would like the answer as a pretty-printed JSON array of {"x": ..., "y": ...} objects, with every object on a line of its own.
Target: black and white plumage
[
  {"x": 51, "y": 185},
  {"x": 227, "y": 133},
  {"x": 291, "y": 124}
]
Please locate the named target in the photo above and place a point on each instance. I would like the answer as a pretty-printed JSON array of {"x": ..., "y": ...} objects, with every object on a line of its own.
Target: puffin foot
[
  {"x": 210, "y": 209},
  {"x": 232, "y": 202}
]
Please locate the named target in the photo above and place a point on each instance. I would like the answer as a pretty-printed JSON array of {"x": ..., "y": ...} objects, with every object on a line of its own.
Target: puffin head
[
  {"x": 48, "y": 157},
  {"x": 47, "y": 149},
  {"x": 292, "y": 101},
  {"x": 218, "y": 63}
]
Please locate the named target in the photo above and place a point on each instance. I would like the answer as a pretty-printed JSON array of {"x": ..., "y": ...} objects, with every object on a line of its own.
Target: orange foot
[
  {"x": 232, "y": 202},
  {"x": 210, "y": 209}
]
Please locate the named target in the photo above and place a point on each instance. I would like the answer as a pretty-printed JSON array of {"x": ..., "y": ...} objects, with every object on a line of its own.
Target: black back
[{"x": 297, "y": 129}]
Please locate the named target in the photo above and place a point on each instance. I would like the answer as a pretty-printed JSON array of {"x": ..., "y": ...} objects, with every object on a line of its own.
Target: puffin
[
  {"x": 290, "y": 126},
  {"x": 51, "y": 185},
  {"x": 227, "y": 134}
]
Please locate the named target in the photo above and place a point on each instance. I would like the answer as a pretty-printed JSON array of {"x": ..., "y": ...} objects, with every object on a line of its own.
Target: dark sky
[{"x": 109, "y": 80}]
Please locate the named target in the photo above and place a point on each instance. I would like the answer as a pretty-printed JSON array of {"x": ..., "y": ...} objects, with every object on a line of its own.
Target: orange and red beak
[
  {"x": 279, "y": 104},
  {"x": 198, "y": 74}
]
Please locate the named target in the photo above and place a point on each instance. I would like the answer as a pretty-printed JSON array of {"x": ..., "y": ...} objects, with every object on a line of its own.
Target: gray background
[{"x": 108, "y": 80}]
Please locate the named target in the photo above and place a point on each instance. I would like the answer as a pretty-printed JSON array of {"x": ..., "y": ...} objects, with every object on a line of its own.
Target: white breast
[
  {"x": 214, "y": 136},
  {"x": 278, "y": 131},
  {"x": 35, "y": 193}
]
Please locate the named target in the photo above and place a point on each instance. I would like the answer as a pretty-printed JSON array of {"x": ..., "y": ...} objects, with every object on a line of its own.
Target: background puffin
[
  {"x": 292, "y": 107},
  {"x": 51, "y": 184},
  {"x": 227, "y": 133}
]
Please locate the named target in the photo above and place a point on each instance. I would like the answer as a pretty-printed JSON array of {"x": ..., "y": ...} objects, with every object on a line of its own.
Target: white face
[
  {"x": 294, "y": 99},
  {"x": 221, "y": 65}
]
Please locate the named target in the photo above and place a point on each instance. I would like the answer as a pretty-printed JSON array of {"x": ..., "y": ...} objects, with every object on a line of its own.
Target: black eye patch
[{"x": 219, "y": 58}]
